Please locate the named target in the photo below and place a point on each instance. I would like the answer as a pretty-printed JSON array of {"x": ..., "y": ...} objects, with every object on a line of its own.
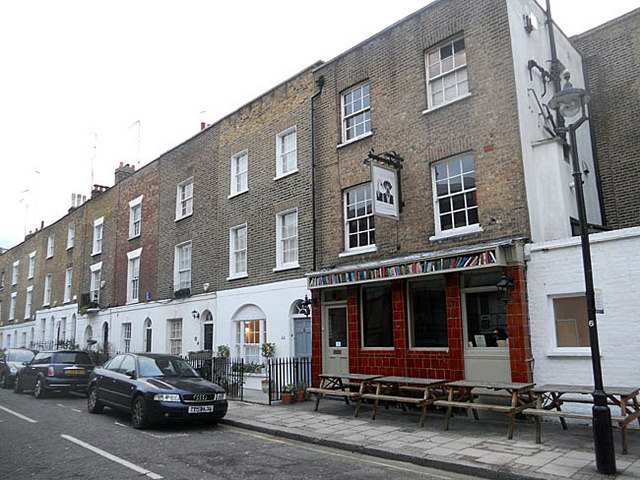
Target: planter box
[{"x": 253, "y": 381}]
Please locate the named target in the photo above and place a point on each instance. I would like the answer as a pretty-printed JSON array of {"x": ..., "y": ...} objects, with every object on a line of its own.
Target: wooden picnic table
[
  {"x": 402, "y": 390},
  {"x": 551, "y": 397},
  {"x": 461, "y": 395},
  {"x": 334, "y": 384}
]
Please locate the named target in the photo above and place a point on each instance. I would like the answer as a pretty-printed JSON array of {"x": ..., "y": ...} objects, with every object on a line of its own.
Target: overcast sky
[{"x": 134, "y": 77}]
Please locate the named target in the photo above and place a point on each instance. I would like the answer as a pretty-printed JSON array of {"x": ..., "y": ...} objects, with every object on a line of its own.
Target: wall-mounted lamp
[
  {"x": 306, "y": 304},
  {"x": 195, "y": 315},
  {"x": 505, "y": 285}
]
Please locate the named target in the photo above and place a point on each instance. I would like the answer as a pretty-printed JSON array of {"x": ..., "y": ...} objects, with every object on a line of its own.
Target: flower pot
[
  {"x": 286, "y": 398},
  {"x": 299, "y": 395},
  {"x": 265, "y": 386}
]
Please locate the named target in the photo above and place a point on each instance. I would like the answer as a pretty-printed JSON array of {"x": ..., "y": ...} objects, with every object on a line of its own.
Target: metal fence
[
  {"x": 287, "y": 371},
  {"x": 229, "y": 374}
]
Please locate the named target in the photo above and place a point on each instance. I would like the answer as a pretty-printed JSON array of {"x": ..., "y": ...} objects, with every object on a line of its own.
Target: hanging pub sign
[{"x": 384, "y": 182}]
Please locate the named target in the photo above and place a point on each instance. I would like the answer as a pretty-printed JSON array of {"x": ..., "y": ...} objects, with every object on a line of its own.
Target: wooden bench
[
  {"x": 337, "y": 393},
  {"x": 540, "y": 412},
  {"x": 474, "y": 406},
  {"x": 341, "y": 385}
]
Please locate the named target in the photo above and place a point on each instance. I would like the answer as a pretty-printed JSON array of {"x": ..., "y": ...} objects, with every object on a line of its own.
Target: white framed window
[
  {"x": 12, "y": 306},
  {"x": 135, "y": 217},
  {"x": 359, "y": 221},
  {"x": 32, "y": 265},
  {"x": 184, "y": 199},
  {"x": 94, "y": 289},
  {"x": 238, "y": 251},
  {"x": 98, "y": 228},
  {"x": 286, "y": 152},
  {"x": 174, "y": 328},
  {"x": 14, "y": 272},
  {"x": 50, "y": 245},
  {"x": 239, "y": 172},
  {"x": 182, "y": 266},
  {"x": 571, "y": 322},
  {"x": 71, "y": 235},
  {"x": 250, "y": 334},
  {"x": 68, "y": 276},
  {"x": 455, "y": 203},
  {"x": 447, "y": 73},
  {"x": 126, "y": 337},
  {"x": 27, "y": 302},
  {"x": 356, "y": 113},
  {"x": 46, "y": 299},
  {"x": 287, "y": 239},
  {"x": 133, "y": 276}
]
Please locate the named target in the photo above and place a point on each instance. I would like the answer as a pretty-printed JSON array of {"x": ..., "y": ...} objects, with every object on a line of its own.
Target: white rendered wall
[
  {"x": 554, "y": 269},
  {"x": 548, "y": 180}
]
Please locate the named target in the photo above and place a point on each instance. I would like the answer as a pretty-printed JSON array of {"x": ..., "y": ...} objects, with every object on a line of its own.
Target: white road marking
[
  {"x": 166, "y": 435},
  {"x": 61, "y": 405},
  {"x": 113, "y": 458},
  {"x": 120, "y": 424},
  {"x": 19, "y": 415},
  {"x": 76, "y": 410}
]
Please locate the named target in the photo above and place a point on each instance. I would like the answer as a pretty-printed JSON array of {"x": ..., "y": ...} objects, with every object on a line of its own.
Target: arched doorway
[
  {"x": 72, "y": 333},
  {"x": 105, "y": 336},
  {"x": 148, "y": 335},
  {"x": 250, "y": 332},
  {"x": 207, "y": 331},
  {"x": 88, "y": 335}
]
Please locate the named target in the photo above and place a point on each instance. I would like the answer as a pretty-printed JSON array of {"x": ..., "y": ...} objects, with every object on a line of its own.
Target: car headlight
[
  {"x": 221, "y": 396},
  {"x": 166, "y": 397},
  {"x": 13, "y": 369}
]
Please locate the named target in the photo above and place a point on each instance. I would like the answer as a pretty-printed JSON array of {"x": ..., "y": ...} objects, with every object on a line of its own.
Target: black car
[
  {"x": 57, "y": 370},
  {"x": 11, "y": 362},
  {"x": 155, "y": 388}
]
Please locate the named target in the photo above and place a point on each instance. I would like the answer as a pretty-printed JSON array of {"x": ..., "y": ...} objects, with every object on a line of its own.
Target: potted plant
[
  {"x": 223, "y": 351},
  {"x": 299, "y": 391},
  {"x": 268, "y": 350},
  {"x": 286, "y": 395}
]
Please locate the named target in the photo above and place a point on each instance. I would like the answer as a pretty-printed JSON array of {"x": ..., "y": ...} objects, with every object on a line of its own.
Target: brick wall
[
  {"x": 393, "y": 63},
  {"x": 612, "y": 53}
]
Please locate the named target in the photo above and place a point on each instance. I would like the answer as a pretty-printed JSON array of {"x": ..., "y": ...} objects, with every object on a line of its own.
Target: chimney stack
[{"x": 123, "y": 171}]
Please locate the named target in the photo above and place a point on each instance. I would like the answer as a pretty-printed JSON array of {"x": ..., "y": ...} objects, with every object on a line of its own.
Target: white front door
[
  {"x": 486, "y": 346},
  {"x": 335, "y": 348}
]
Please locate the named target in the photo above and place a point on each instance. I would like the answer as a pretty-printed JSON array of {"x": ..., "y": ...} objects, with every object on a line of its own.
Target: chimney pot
[{"x": 121, "y": 164}]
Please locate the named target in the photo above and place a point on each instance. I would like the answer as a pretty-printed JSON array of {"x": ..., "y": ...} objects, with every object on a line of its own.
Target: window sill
[
  {"x": 442, "y": 105},
  {"x": 30, "y": 278},
  {"x": 282, "y": 268},
  {"x": 349, "y": 253},
  {"x": 96, "y": 253},
  {"x": 184, "y": 216},
  {"x": 353, "y": 140},
  {"x": 47, "y": 258},
  {"x": 134, "y": 236},
  {"x": 237, "y": 277},
  {"x": 69, "y": 247},
  {"x": 457, "y": 232},
  {"x": 570, "y": 352},
  {"x": 374, "y": 349},
  {"x": 236, "y": 194},
  {"x": 133, "y": 302},
  {"x": 429, "y": 349},
  {"x": 283, "y": 175}
]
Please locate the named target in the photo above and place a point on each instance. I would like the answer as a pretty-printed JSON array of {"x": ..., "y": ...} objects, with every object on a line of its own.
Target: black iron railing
[{"x": 287, "y": 371}]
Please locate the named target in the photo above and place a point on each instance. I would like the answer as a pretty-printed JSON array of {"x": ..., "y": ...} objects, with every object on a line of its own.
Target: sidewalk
[{"x": 476, "y": 448}]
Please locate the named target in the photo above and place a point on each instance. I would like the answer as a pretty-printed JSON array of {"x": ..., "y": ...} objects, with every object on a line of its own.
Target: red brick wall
[{"x": 518, "y": 327}]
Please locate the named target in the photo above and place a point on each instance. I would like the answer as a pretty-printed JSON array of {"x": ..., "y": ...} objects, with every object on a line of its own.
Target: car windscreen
[
  {"x": 164, "y": 367},
  {"x": 20, "y": 356},
  {"x": 72, "y": 358}
]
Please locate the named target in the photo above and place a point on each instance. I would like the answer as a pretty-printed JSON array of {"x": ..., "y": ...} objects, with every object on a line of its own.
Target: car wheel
[
  {"x": 39, "y": 391},
  {"x": 93, "y": 404},
  {"x": 3, "y": 380},
  {"x": 17, "y": 386},
  {"x": 139, "y": 417}
]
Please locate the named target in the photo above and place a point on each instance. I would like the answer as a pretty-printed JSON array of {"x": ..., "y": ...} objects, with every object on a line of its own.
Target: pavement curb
[{"x": 438, "y": 462}]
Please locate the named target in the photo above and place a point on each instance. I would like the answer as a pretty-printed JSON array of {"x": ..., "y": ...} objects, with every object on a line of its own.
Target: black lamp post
[{"x": 569, "y": 102}]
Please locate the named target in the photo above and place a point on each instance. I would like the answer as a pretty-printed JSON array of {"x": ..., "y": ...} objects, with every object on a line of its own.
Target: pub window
[
  {"x": 572, "y": 328},
  {"x": 377, "y": 320},
  {"x": 428, "y": 309}
]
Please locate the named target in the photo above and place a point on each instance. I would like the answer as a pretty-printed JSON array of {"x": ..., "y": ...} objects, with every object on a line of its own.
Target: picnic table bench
[
  {"x": 461, "y": 395},
  {"x": 419, "y": 392},
  {"x": 550, "y": 398},
  {"x": 340, "y": 384}
]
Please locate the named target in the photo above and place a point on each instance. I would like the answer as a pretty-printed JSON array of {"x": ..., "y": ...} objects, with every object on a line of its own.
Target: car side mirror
[{"x": 130, "y": 373}]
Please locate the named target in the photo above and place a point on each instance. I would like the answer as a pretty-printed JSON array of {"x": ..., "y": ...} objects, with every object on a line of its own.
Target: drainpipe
[
  {"x": 319, "y": 83},
  {"x": 555, "y": 67}
]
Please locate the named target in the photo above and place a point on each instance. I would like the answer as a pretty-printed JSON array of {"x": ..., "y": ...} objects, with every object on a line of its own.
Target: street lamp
[{"x": 569, "y": 102}]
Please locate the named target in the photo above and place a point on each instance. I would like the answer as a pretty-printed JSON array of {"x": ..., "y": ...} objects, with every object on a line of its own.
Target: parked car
[
  {"x": 11, "y": 362},
  {"x": 155, "y": 388},
  {"x": 57, "y": 370}
]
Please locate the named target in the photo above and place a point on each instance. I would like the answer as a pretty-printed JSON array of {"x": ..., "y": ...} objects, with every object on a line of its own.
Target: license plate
[
  {"x": 74, "y": 372},
  {"x": 201, "y": 409}
]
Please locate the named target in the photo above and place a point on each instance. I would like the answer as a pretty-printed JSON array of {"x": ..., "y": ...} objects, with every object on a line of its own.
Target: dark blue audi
[{"x": 155, "y": 388}]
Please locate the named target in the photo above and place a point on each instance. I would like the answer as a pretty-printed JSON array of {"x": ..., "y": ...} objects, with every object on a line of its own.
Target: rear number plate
[
  {"x": 201, "y": 409},
  {"x": 74, "y": 372}
]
